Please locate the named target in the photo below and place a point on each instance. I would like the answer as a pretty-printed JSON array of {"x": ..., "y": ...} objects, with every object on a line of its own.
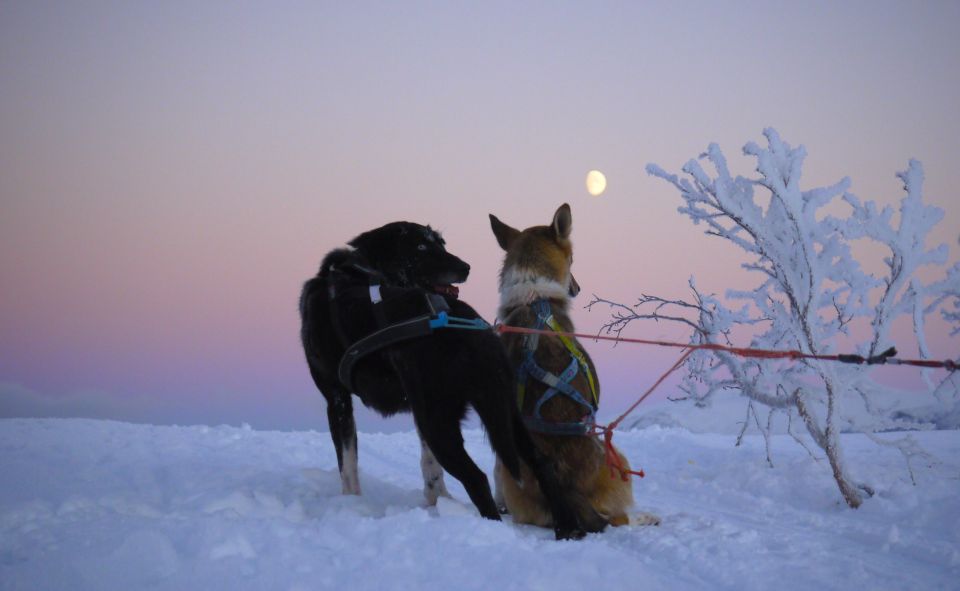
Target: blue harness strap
[
  {"x": 442, "y": 320},
  {"x": 555, "y": 384}
]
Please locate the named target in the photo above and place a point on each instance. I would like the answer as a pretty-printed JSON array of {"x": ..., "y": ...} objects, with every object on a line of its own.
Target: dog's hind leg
[
  {"x": 496, "y": 415},
  {"x": 446, "y": 441},
  {"x": 612, "y": 496},
  {"x": 573, "y": 516},
  {"x": 343, "y": 431},
  {"x": 498, "y": 496},
  {"x": 433, "y": 485}
]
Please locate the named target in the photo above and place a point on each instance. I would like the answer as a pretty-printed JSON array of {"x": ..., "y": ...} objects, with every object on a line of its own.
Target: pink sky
[{"x": 170, "y": 173}]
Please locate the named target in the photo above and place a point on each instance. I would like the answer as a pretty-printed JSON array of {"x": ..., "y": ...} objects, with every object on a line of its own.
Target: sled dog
[
  {"x": 366, "y": 329},
  {"x": 557, "y": 390}
]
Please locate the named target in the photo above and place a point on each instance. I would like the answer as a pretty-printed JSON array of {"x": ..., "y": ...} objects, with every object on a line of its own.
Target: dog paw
[
  {"x": 569, "y": 533},
  {"x": 431, "y": 496},
  {"x": 644, "y": 519}
]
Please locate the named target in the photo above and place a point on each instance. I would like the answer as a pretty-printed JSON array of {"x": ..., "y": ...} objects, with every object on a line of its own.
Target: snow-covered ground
[{"x": 102, "y": 505}]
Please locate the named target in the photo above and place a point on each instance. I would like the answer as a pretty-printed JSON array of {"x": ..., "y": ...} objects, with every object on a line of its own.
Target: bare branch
[
  {"x": 908, "y": 448},
  {"x": 795, "y": 437}
]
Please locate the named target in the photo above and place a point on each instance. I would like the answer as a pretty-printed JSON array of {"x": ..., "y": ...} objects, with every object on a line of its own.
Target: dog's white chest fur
[{"x": 521, "y": 287}]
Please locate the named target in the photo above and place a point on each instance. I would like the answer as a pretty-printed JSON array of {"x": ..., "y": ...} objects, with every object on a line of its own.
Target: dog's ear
[
  {"x": 562, "y": 222},
  {"x": 504, "y": 233},
  {"x": 373, "y": 244}
]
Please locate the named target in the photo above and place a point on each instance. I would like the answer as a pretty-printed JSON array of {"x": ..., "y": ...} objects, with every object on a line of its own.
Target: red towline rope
[
  {"x": 885, "y": 358},
  {"x": 613, "y": 458}
]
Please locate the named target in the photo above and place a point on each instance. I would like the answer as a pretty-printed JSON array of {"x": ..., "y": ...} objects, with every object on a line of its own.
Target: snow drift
[{"x": 102, "y": 505}]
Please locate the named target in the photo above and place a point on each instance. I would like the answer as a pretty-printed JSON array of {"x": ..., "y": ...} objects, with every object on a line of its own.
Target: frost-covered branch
[
  {"x": 811, "y": 292},
  {"x": 908, "y": 448}
]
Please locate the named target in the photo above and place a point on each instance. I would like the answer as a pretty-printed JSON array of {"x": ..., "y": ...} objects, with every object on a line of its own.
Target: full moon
[{"x": 596, "y": 182}]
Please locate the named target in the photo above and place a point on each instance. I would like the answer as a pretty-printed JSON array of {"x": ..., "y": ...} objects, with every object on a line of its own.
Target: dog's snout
[
  {"x": 460, "y": 264},
  {"x": 458, "y": 268},
  {"x": 574, "y": 288}
]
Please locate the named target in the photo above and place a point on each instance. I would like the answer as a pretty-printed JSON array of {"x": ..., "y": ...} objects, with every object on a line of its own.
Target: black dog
[{"x": 392, "y": 274}]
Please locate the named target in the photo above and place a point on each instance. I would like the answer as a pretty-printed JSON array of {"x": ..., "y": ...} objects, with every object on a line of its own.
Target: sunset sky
[{"x": 171, "y": 172}]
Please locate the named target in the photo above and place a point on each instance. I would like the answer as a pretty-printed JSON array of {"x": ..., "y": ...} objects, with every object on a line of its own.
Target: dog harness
[
  {"x": 435, "y": 315},
  {"x": 557, "y": 384}
]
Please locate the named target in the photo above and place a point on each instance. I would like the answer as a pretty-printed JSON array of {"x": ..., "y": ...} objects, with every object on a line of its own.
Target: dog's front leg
[
  {"x": 433, "y": 485},
  {"x": 343, "y": 430}
]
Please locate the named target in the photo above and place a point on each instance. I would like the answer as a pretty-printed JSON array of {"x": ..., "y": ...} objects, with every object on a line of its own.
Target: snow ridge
[{"x": 103, "y": 505}]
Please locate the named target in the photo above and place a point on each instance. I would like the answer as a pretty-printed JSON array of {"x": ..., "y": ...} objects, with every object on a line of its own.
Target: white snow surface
[{"x": 88, "y": 504}]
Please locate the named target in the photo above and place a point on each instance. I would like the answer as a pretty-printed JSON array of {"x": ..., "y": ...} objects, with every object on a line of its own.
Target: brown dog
[{"x": 558, "y": 392}]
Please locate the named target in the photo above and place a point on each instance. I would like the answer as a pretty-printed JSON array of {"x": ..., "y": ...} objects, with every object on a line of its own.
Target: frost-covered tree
[{"x": 812, "y": 295}]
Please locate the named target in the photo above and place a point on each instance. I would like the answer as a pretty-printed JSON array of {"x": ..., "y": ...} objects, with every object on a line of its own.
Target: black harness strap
[
  {"x": 356, "y": 269},
  {"x": 388, "y": 332},
  {"x": 395, "y": 333}
]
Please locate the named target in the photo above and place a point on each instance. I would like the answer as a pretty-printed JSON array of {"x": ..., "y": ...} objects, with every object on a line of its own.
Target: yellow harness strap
[{"x": 577, "y": 354}]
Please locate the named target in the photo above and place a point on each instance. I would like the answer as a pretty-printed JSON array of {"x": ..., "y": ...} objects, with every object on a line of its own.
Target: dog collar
[{"x": 447, "y": 290}]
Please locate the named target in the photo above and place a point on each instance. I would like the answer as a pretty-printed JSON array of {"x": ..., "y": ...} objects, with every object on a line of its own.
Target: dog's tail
[
  {"x": 317, "y": 285},
  {"x": 335, "y": 257}
]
